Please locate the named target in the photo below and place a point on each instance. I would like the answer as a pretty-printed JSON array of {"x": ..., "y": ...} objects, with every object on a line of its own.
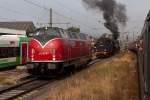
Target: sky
[{"x": 73, "y": 12}]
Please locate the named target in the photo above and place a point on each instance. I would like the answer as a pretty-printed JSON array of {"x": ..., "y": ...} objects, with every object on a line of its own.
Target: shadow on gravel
[{"x": 8, "y": 68}]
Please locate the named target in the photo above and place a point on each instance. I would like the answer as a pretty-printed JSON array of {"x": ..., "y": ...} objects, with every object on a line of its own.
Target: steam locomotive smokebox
[{"x": 106, "y": 47}]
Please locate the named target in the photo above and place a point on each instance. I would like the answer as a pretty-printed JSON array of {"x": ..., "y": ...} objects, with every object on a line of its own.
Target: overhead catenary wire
[
  {"x": 45, "y": 8},
  {"x": 12, "y": 11},
  {"x": 72, "y": 10},
  {"x": 75, "y": 12},
  {"x": 72, "y": 19}
]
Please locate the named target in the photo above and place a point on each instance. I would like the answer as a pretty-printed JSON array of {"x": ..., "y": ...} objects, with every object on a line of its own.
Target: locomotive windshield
[
  {"x": 45, "y": 34},
  {"x": 50, "y": 31}
]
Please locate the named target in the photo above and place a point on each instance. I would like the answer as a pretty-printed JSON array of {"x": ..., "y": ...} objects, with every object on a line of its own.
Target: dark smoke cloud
[{"x": 114, "y": 13}]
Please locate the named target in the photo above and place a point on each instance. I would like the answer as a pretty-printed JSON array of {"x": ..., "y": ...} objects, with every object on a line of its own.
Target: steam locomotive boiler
[
  {"x": 51, "y": 50},
  {"x": 106, "y": 47}
]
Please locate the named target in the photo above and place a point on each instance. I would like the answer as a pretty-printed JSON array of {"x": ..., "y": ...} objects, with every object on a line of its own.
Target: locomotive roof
[
  {"x": 48, "y": 28},
  {"x": 69, "y": 34}
]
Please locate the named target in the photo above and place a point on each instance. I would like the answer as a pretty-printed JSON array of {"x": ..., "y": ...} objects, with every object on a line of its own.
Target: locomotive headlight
[
  {"x": 33, "y": 51},
  {"x": 54, "y": 53},
  {"x": 32, "y": 54}
]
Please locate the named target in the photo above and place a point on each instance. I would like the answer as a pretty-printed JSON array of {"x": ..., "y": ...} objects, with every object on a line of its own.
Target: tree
[
  {"x": 74, "y": 29},
  {"x": 104, "y": 35}
]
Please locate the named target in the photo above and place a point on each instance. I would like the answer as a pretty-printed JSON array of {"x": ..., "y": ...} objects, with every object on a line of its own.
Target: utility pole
[
  {"x": 127, "y": 42},
  {"x": 67, "y": 25},
  {"x": 51, "y": 18},
  {"x": 133, "y": 36}
]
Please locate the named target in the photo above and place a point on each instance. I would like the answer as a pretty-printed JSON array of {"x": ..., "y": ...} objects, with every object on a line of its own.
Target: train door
[{"x": 24, "y": 53}]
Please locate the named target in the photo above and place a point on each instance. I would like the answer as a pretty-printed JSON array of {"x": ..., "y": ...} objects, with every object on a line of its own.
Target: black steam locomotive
[{"x": 106, "y": 47}]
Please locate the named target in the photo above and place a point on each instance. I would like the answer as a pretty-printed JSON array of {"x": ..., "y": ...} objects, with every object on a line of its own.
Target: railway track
[
  {"x": 22, "y": 89},
  {"x": 27, "y": 85}
]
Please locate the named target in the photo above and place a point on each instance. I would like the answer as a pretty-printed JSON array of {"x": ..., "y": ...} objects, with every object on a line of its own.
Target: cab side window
[
  {"x": 64, "y": 34},
  {"x": 82, "y": 36},
  {"x": 73, "y": 35},
  {"x": 70, "y": 35}
]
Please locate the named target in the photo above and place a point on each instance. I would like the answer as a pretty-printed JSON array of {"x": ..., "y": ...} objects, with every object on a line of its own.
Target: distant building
[
  {"x": 7, "y": 31},
  {"x": 26, "y": 26}
]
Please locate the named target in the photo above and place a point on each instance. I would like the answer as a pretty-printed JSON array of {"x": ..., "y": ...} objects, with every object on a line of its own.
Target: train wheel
[
  {"x": 145, "y": 87},
  {"x": 90, "y": 60},
  {"x": 145, "y": 90},
  {"x": 86, "y": 64},
  {"x": 60, "y": 68},
  {"x": 70, "y": 70},
  {"x": 30, "y": 71}
]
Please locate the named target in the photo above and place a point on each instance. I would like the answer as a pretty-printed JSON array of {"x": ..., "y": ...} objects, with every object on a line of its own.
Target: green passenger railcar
[{"x": 13, "y": 49}]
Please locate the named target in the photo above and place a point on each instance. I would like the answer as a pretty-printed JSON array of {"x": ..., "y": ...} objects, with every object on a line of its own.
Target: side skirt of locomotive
[{"x": 52, "y": 68}]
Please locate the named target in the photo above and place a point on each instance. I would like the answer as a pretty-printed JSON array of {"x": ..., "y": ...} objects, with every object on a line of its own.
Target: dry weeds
[
  {"x": 6, "y": 81},
  {"x": 113, "y": 79}
]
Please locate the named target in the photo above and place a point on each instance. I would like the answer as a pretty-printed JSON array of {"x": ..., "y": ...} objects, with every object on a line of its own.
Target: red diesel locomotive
[{"x": 51, "y": 50}]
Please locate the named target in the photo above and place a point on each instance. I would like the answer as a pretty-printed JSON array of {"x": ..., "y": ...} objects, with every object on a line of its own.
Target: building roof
[
  {"x": 27, "y": 26},
  {"x": 6, "y": 31}
]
